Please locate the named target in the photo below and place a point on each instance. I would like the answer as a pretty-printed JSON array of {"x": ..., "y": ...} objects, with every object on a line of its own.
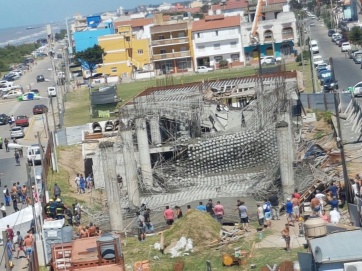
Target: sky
[{"x": 16, "y": 13}]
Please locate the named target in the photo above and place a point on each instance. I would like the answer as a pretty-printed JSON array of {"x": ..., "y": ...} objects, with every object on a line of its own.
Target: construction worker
[
  {"x": 59, "y": 211},
  {"x": 47, "y": 208}
]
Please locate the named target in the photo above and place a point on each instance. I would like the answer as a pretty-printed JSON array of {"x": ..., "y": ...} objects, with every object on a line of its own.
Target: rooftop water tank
[
  {"x": 107, "y": 244},
  {"x": 315, "y": 227}
]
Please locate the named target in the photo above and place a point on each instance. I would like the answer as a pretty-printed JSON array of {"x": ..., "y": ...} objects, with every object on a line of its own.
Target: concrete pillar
[
  {"x": 286, "y": 157},
  {"x": 155, "y": 131},
  {"x": 130, "y": 167},
  {"x": 111, "y": 185},
  {"x": 144, "y": 151}
]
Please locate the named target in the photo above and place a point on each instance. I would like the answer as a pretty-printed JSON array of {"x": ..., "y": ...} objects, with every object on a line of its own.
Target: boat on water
[{"x": 29, "y": 27}]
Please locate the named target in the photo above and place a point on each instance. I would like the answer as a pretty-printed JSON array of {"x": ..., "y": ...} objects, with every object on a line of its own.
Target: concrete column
[
  {"x": 286, "y": 157},
  {"x": 130, "y": 167},
  {"x": 144, "y": 151},
  {"x": 111, "y": 185},
  {"x": 155, "y": 131}
]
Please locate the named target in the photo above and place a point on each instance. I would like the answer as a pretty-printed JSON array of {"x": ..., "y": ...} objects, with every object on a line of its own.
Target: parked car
[
  {"x": 330, "y": 84},
  {"x": 317, "y": 60},
  {"x": 331, "y": 32},
  {"x": 4, "y": 119},
  {"x": 321, "y": 71},
  {"x": 22, "y": 121},
  {"x": 202, "y": 69},
  {"x": 353, "y": 52},
  {"x": 340, "y": 41},
  {"x": 345, "y": 46},
  {"x": 268, "y": 60},
  {"x": 39, "y": 109},
  {"x": 357, "y": 58},
  {"x": 17, "y": 132},
  {"x": 324, "y": 76},
  {"x": 336, "y": 36},
  {"x": 12, "y": 94},
  {"x": 40, "y": 78},
  {"x": 356, "y": 90}
]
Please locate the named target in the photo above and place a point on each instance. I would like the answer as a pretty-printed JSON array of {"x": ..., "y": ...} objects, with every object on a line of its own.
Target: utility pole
[{"x": 111, "y": 185}]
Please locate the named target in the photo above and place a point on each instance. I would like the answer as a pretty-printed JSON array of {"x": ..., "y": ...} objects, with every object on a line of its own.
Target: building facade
[
  {"x": 276, "y": 36},
  {"x": 128, "y": 51},
  {"x": 217, "y": 38},
  {"x": 170, "y": 46}
]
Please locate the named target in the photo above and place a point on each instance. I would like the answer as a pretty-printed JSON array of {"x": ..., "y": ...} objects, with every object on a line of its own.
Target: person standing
[
  {"x": 267, "y": 212},
  {"x": 209, "y": 208},
  {"x": 201, "y": 207},
  {"x": 244, "y": 219},
  {"x": 168, "y": 215},
  {"x": 6, "y": 142},
  {"x": 56, "y": 191},
  {"x": 18, "y": 192},
  {"x": 6, "y": 195},
  {"x": 77, "y": 182},
  {"x": 335, "y": 216},
  {"x": 274, "y": 202},
  {"x": 17, "y": 158},
  {"x": 9, "y": 249},
  {"x": 28, "y": 244},
  {"x": 289, "y": 211},
  {"x": 334, "y": 203},
  {"x": 20, "y": 244},
  {"x": 147, "y": 216},
  {"x": 286, "y": 235},
  {"x": 1, "y": 142},
  {"x": 10, "y": 233},
  {"x": 296, "y": 194},
  {"x": 178, "y": 212},
  {"x": 296, "y": 209},
  {"x": 82, "y": 184},
  {"x": 188, "y": 209},
  {"x": 141, "y": 227},
  {"x": 3, "y": 209},
  {"x": 260, "y": 213},
  {"x": 333, "y": 189},
  {"x": 219, "y": 212},
  {"x": 15, "y": 202}
]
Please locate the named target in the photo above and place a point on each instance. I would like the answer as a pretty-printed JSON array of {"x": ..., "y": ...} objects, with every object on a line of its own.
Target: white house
[{"x": 217, "y": 38}]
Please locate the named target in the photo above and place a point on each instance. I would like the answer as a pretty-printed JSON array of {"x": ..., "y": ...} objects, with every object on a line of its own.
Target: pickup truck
[
  {"x": 22, "y": 121},
  {"x": 7, "y": 86}
]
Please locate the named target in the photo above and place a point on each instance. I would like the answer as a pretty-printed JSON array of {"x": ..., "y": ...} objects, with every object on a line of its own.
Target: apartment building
[
  {"x": 127, "y": 51},
  {"x": 217, "y": 38},
  {"x": 170, "y": 45},
  {"x": 276, "y": 36}
]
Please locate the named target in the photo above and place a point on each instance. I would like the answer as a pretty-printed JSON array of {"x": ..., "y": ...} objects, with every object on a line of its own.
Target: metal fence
[{"x": 324, "y": 101}]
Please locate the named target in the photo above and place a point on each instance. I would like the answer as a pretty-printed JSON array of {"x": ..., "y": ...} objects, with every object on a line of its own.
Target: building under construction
[{"x": 175, "y": 144}]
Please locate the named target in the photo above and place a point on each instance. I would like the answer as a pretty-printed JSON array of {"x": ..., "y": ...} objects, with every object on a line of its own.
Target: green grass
[{"x": 77, "y": 106}]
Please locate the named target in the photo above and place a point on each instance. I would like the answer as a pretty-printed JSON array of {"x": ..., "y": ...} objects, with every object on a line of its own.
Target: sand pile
[{"x": 196, "y": 225}]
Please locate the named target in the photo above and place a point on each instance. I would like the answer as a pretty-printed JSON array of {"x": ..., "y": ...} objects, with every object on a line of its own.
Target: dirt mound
[{"x": 197, "y": 225}]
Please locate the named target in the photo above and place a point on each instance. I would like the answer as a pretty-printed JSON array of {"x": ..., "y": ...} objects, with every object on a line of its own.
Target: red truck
[{"x": 22, "y": 121}]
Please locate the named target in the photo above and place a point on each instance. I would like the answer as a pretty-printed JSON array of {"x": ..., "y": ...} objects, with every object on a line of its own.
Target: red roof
[
  {"x": 134, "y": 22},
  {"x": 215, "y": 22},
  {"x": 231, "y": 5}
]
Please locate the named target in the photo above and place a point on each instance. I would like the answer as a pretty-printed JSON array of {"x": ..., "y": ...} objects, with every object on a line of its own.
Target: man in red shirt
[
  {"x": 219, "y": 211},
  {"x": 296, "y": 194},
  {"x": 168, "y": 215}
]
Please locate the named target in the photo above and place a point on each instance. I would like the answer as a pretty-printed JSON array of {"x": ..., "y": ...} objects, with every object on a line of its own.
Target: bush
[
  {"x": 305, "y": 56},
  {"x": 223, "y": 64}
]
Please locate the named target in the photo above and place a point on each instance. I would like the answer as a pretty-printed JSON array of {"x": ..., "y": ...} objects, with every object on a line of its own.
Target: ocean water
[{"x": 20, "y": 35}]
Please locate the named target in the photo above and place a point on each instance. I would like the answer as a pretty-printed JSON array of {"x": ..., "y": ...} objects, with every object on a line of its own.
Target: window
[
  {"x": 161, "y": 37},
  {"x": 198, "y": 35},
  {"x": 235, "y": 57},
  {"x": 201, "y": 48},
  {"x": 217, "y": 46},
  {"x": 181, "y": 34},
  {"x": 183, "y": 48},
  {"x": 216, "y": 33},
  {"x": 140, "y": 51},
  {"x": 162, "y": 51},
  {"x": 114, "y": 69},
  {"x": 218, "y": 58},
  {"x": 233, "y": 44}
]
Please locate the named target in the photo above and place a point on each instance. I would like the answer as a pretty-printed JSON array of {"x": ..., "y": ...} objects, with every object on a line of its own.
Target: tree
[
  {"x": 355, "y": 35},
  {"x": 295, "y": 5},
  {"x": 204, "y": 9},
  {"x": 61, "y": 35},
  {"x": 91, "y": 57},
  {"x": 305, "y": 56}
]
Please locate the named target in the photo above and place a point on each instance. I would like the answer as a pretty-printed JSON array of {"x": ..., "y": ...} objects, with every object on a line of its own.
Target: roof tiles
[{"x": 215, "y": 22}]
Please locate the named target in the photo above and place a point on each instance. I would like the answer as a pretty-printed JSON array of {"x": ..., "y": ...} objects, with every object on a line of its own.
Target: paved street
[
  {"x": 347, "y": 73},
  {"x": 11, "y": 172}
]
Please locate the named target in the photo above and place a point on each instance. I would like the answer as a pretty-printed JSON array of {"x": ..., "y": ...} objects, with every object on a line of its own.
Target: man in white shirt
[
  {"x": 77, "y": 182},
  {"x": 335, "y": 216},
  {"x": 320, "y": 196}
]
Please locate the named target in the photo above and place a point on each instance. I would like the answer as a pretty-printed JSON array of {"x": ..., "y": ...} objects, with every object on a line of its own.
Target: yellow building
[{"x": 127, "y": 51}]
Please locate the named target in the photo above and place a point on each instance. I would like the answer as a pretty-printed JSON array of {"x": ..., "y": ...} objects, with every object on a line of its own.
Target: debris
[
  {"x": 142, "y": 265},
  {"x": 183, "y": 245}
]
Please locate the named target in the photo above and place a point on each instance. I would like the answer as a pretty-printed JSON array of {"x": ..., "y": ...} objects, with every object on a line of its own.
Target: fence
[{"x": 324, "y": 101}]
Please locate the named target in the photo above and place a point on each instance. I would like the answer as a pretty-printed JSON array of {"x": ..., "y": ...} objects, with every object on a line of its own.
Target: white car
[
  {"x": 345, "y": 47},
  {"x": 17, "y": 132},
  {"x": 201, "y": 69},
  {"x": 12, "y": 94},
  {"x": 317, "y": 60},
  {"x": 356, "y": 90},
  {"x": 28, "y": 96}
]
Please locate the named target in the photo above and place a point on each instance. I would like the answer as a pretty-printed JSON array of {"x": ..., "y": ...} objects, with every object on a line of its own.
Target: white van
[
  {"x": 52, "y": 92},
  {"x": 34, "y": 154}
]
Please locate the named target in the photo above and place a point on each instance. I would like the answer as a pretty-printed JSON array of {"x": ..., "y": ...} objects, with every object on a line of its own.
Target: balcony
[
  {"x": 217, "y": 38},
  {"x": 165, "y": 42},
  {"x": 158, "y": 57}
]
